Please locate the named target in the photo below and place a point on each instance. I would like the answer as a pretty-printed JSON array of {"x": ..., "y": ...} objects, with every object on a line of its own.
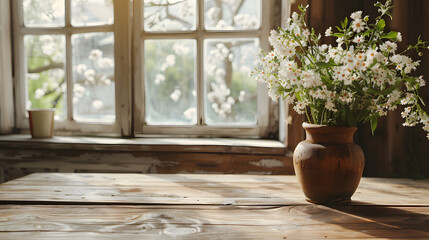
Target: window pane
[
  {"x": 232, "y": 14},
  {"x": 169, "y": 73},
  {"x": 93, "y": 77},
  {"x": 92, "y": 12},
  {"x": 231, "y": 93},
  {"x": 43, "y": 13},
  {"x": 45, "y": 73},
  {"x": 169, "y": 15}
]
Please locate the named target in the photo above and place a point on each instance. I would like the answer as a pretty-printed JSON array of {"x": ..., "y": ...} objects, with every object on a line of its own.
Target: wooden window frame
[
  {"x": 122, "y": 74},
  {"x": 6, "y": 81},
  {"x": 129, "y": 78},
  {"x": 199, "y": 35}
]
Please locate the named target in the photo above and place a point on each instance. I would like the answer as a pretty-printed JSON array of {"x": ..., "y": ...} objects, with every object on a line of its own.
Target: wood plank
[
  {"x": 213, "y": 222},
  {"x": 17, "y": 163},
  {"x": 219, "y": 145},
  {"x": 198, "y": 189}
]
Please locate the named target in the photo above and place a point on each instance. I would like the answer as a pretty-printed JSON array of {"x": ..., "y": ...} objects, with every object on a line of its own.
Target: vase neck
[{"x": 328, "y": 134}]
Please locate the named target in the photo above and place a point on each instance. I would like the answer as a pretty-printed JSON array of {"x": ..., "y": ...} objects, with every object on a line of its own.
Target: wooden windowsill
[{"x": 208, "y": 145}]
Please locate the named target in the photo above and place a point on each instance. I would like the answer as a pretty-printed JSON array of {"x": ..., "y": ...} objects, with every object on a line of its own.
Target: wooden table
[{"x": 186, "y": 206}]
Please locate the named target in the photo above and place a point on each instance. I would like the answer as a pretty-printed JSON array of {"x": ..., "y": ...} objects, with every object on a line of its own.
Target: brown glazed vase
[{"x": 328, "y": 164}]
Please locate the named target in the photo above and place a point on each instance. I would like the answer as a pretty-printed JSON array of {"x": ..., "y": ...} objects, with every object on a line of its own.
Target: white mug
[{"x": 41, "y": 122}]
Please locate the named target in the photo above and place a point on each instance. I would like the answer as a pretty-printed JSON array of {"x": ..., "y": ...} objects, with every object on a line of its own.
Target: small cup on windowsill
[{"x": 41, "y": 122}]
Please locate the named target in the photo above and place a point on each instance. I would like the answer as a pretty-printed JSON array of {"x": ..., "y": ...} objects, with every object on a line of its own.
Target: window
[
  {"x": 66, "y": 61},
  {"x": 182, "y": 69}
]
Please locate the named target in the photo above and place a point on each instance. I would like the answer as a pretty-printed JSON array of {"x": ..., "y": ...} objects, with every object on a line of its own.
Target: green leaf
[
  {"x": 298, "y": 97},
  {"x": 381, "y": 24},
  {"x": 391, "y": 35},
  {"x": 326, "y": 79},
  {"x": 329, "y": 64},
  {"x": 338, "y": 35},
  {"x": 373, "y": 124},
  {"x": 344, "y": 24},
  {"x": 389, "y": 89},
  {"x": 421, "y": 100}
]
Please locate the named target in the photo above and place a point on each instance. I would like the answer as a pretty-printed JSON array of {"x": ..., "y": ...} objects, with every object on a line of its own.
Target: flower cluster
[{"x": 359, "y": 80}]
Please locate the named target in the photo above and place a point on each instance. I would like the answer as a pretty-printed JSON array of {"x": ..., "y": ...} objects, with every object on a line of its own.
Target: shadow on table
[{"x": 379, "y": 221}]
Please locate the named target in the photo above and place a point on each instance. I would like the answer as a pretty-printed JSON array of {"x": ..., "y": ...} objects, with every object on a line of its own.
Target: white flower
[
  {"x": 48, "y": 49},
  {"x": 159, "y": 78},
  {"x": 90, "y": 75},
  {"x": 356, "y": 15},
  {"x": 105, "y": 62},
  {"x": 190, "y": 114},
  {"x": 421, "y": 81},
  {"x": 300, "y": 107},
  {"x": 359, "y": 39},
  {"x": 330, "y": 106},
  {"x": 97, "y": 104},
  {"x": 246, "y": 21},
  {"x": 81, "y": 68},
  {"x": 323, "y": 47},
  {"x": 213, "y": 14},
  {"x": 388, "y": 47},
  {"x": 346, "y": 97},
  {"x": 394, "y": 96},
  {"x": 328, "y": 32},
  {"x": 340, "y": 41},
  {"x": 95, "y": 54},
  {"x": 358, "y": 25},
  {"x": 170, "y": 60},
  {"x": 175, "y": 95},
  {"x": 399, "y": 37},
  {"x": 180, "y": 49},
  {"x": 78, "y": 90},
  {"x": 39, "y": 93},
  {"x": 242, "y": 96}
]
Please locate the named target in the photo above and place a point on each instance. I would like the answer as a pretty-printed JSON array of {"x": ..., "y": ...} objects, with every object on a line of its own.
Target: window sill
[{"x": 202, "y": 145}]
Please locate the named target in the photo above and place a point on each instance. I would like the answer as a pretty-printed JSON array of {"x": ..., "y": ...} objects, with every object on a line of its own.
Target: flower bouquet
[
  {"x": 359, "y": 80},
  {"x": 337, "y": 87}
]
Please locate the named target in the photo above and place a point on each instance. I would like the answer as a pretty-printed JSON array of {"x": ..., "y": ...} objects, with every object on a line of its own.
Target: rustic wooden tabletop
[{"x": 204, "y": 206}]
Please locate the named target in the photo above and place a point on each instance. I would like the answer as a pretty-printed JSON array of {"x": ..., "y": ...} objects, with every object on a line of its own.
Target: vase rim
[{"x": 315, "y": 126}]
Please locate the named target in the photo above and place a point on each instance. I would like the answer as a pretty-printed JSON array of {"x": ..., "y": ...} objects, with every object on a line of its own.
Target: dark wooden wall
[{"x": 394, "y": 150}]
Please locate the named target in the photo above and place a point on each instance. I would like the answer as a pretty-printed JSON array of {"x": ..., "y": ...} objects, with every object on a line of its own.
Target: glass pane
[
  {"x": 232, "y": 14},
  {"x": 231, "y": 95},
  {"x": 92, "y": 12},
  {"x": 93, "y": 77},
  {"x": 169, "y": 73},
  {"x": 43, "y": 13},
  {"x": 45, "y": 73},
  {"x": 169, "y": 15}
]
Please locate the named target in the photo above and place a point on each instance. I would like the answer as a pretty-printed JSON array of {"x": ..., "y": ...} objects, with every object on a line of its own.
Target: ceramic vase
[{"x": 328, "y": 164}]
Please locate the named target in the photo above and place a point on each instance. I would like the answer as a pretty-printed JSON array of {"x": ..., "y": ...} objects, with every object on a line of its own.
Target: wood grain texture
[
  {"x": 204, "y": 206},
  {"x": 213, "y": 222},
  {"x": 17, "y": 163},
  {"x": 198, "y": 189}
]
